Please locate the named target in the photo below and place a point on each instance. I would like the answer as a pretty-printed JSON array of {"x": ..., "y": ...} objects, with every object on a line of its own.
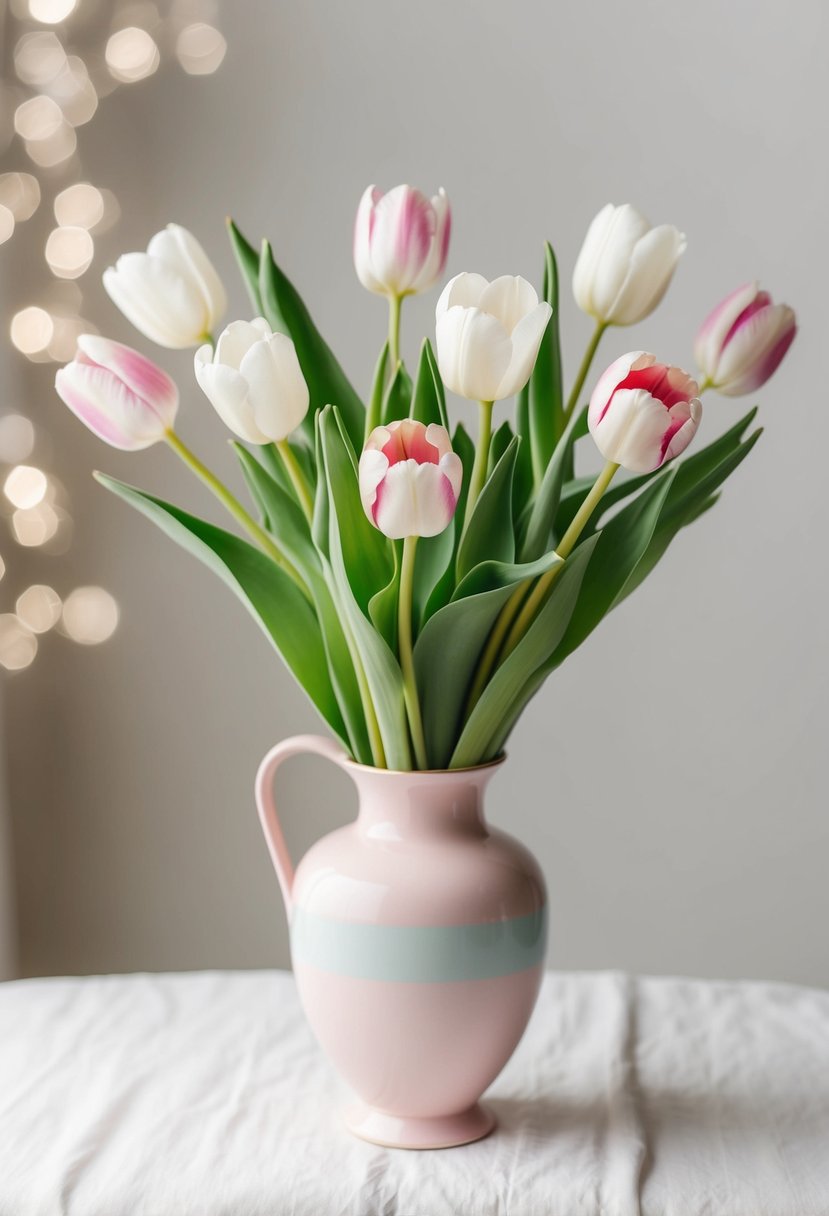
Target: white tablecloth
[{"x": 205, "y": 1095}]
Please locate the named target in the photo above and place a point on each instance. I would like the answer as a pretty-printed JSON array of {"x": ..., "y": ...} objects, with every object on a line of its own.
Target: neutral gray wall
[{"x": 671, "y": 776}]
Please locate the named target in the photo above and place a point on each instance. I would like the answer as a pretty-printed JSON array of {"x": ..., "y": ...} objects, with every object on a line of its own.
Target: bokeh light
[
  {"x": 39, "y": 608},
  {"x": 31, "y": 330},
  {"x": 18, "y": 645},
  {"x": 38, "y": 58},
  {"x": 69, "y": 252},
  {"x": 38, "y": 118},
  {"x": 90, "y": 615},
  {"x": 25, "y": 486},
  {"x": 6, "y": 223},
  {"x": 35, "y": 526},
  {"x": 54, "y": 150},
  {"x": 17, "y": 438},
  {"x": 79, "y": 206},
  {"x": 200, "y": 48},
  {"x": 20, "y": 193},
  {"x": 52, "y": 12},
  {"x": 132, "y": 54}
]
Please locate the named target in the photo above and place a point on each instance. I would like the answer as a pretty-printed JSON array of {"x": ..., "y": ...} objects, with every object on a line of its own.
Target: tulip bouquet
[{"x": 421, "y": 584}]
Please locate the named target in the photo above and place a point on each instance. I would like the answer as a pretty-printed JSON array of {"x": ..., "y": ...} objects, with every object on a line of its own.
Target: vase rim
[{"x": 425, "y": 772}]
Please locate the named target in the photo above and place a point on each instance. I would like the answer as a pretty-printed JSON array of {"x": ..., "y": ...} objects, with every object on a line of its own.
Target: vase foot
[{"x": 396, "y": 1131}]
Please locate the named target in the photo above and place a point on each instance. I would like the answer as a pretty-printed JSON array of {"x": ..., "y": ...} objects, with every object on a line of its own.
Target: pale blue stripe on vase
[{"x": 419, "y": 953}]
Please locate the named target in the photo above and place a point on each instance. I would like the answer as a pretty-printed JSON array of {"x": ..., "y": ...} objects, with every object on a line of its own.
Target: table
[{"x": 204, "y": 1094}]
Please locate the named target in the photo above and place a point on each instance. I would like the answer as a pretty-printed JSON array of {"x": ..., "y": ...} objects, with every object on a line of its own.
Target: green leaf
[
  {"x": 374, "y": 413},
  {"x": 545, "y": 387},
  {"x": 522, "y": 485},
  {"x": 327, "y": 382},
  {"x": 449, "y": 647},
  {"x": 355, "y": 577},
  {"x": 281, "y": 514},
  {"x": 434, "y": 556},
  {"x": 383, "y": 606},
  {"x": 445, "y": 585},
  {"x": 490, "y": 533},
  {"x": 538, "y": 527},
  {"x": 428, "y": 398},
  {"x": 248, "y": 260},
  {"x": 621, "y": 545},
  {"x": 271, "y": 597},
  {"x": 524, "y": 670},
  {"x": 499, "y": 444},
  {"x": 398, "y": 399}
]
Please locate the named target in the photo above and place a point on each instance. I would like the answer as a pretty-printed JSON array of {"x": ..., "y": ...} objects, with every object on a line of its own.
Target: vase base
[{"x": 395, "y": 1131}]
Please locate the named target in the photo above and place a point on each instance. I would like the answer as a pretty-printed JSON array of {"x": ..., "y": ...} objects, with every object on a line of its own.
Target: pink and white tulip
[
  {"x": 410, "y": 478},
  {"x": 741, "y": 343},
  {"x": 488, "y": 334},
  {"x": 122, "y": 396},
  {"x": 253, "y": 381},
  {"x": 401, "y": 240},
  {"x": 625, "y": 265},
  {"x": 172, "y": 293},
  {"x": 643, "y": 413}
]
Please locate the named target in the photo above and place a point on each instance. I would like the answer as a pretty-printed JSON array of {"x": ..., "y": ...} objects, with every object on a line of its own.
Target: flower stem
[
  {"x": 581, "y": 376},
  {"x": 494, "y": 643},
  {"x": 235, "y": 508},
  {"x": 479, "y": 466},
  {"x": 395, "y": 304},
  {"x": 404, "y": 645},
  {"x": 565, "y": 547},
  {"x": 706, "y": 384},
  {"x": 295, "y": 473}
]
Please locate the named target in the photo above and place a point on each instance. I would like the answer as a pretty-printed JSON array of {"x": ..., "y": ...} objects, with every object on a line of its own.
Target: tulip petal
[
  {"x": 373, "y": 468},
  {"x": 509, "y": 298},
  {"x": 180, "y": 250},
  {"x": 756, "y": 349},
  {"x": 465, "y": 290},
  {"x": 237, "y": 338},
  {"x": 277, "y": 393},
  {"x": 526, "y": 340},
  {"x": 473, "y": 351},
  {"x": 611, "y": 378},
  {"x": 414, "y": 500},
  {"x": 141, "y": 376},
  {"x": 111, "y": 410},
  {"x": 588, "y": 259},
  {"x": 162, "y": 305},
  {"x": 622, "y": 231},
  {"x": 400, "y": 238},
  {"x": 651, "y": 265},
  {"x": 362, "y": 242},
  {"x": 227, "y": 391},
  {"x": 685, "y": 419},
  {"x": 631, "y": 430},
  {"x": 712, "y": 333},
  {"x": 436, "y": 261}
]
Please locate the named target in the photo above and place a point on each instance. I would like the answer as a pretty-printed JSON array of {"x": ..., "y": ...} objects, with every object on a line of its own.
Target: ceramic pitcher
[{"x": 418, "y": 938}]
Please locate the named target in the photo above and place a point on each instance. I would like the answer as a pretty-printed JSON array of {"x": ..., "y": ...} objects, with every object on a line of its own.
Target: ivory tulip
[
  {"x": 643, "y": 413},
  {"x": 743, "y": 340},
  {"x": 625, "y": 265},
  {"x": 122, "y": 396},
  {"x": 488, "y": 335},
  {"x": 253, "y": 381},
  {"x": 410, "y": 479},
  {"x": 401, "y": 239},
  {"x": 171, "y": 293}
]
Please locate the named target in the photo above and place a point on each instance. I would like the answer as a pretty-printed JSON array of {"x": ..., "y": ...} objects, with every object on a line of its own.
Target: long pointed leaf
[
  {"x": 248, "y": 260},
  {"x": 490, "y": 532}
]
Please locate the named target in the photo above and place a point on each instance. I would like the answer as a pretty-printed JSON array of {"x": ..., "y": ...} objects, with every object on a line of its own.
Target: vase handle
[{"x": 319, "y": 745}]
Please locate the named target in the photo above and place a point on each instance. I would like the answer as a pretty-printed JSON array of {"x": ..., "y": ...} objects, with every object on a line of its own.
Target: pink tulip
[
  {"x": 401, "y": 240},
  {"x": 643, "y": 413},
  {"x": 742, "y": 342},
  {"x": 122, "y": 396},
  {"x": 410, "y": 478}
]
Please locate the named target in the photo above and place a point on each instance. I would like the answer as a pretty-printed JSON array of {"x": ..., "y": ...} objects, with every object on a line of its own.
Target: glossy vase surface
[{"x": 418, "y": 938}]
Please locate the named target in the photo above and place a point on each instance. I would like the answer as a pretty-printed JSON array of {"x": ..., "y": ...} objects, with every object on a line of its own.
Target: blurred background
[{"x": 670, "y": 777}]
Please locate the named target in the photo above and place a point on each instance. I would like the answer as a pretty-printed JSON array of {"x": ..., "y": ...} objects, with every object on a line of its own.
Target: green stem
[
  {"x": 297, "y": 477},
  {"x": 565, "y": 547},
  {"x": 235, "y": 508},
  {"x": 706, "y": 384},
  {"x": 494, "y": 643},
  {"x": 375, "y": 737},
  {"x": 581, "y": 376},
  {"x": 404, "y": 645},
  {"x": 479, "y": 466},
  {"x": 395, "y": 303}
]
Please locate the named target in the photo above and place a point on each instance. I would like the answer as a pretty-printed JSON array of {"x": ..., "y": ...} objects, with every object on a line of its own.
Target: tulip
[
  {"x": 625, "y": 266},
  {"x": 401, "y": 240},
  {"x": 410, "y": 478},
  {"x": 122, "y": 396},
  {"x": 171, "y": 293},
  {"x": 741, "y": 343},
  {"x": 254, "y": 382},
  {"x": 643, "y": 413},
  {"x": 488, "y": 335}
]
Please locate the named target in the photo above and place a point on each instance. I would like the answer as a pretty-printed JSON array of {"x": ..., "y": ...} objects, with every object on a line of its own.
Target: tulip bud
[
  {"x": 171, "y": 293},
  {"x": 410, "y": 478},
  {"x": 625, "y": 265},
  {"x": 741, "y": 343},
  {"x": 123, "y": 397},
  {"x": 254, "y": 381},
  {"x": 488, "y": 335},
  {"x": 401, "y": 240},
  {"x": 643, "y": 413}
]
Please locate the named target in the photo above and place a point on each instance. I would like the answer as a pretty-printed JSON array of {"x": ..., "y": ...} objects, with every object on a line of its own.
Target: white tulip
[
  {"x": 171, "y": 293},
  {"x": 488, "y": 335},
  {"x": 625, "y": 265},
  {"x": 254, "y": 382}
]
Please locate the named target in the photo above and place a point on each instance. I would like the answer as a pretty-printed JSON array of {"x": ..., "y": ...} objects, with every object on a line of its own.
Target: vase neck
[{"x": 404, "y": 805}]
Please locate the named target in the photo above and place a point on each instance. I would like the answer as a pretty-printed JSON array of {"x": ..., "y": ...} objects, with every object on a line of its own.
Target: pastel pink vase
[{"x": 418, "y": 937}]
